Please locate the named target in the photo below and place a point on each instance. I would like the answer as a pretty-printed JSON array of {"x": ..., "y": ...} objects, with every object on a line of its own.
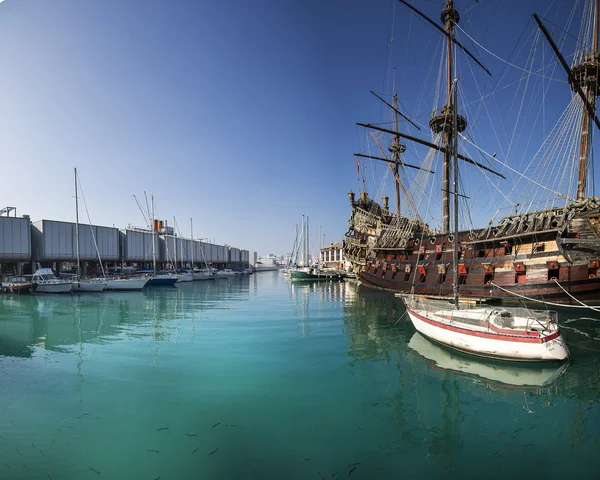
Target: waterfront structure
[
  {"x": 332, "y": 256},
  {"x": 15, "y": 241},
  {"x": 56, "y": 242},
  {"x": 53, "y": 244}
]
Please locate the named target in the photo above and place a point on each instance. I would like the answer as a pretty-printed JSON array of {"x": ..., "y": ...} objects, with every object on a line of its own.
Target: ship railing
[{"x": 355, "y": 242}]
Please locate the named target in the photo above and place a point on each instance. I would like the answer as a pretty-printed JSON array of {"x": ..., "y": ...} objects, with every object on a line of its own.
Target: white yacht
[{"x": 44, "y": 281}]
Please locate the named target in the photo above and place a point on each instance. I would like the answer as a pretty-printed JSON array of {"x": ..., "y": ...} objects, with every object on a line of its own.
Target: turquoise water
[{"x": 279, "y": 380}]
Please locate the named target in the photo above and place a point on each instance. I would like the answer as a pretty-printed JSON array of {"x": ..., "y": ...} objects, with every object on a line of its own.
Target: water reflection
[
  {"x": 64, "y": 323},
  {"x": 499, "y": 376}
]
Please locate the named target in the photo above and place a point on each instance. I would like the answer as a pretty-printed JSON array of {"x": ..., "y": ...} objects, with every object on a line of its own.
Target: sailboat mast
[
  {"x": 586, "y": 75},
  {"x": 303, "y": 242},
  {"x": 76, "y": 222},
  {"x": 153, "y": 238},
  {"x": 193, "y": 244},
  {"x": 174, "y": 247},
  {"x": 307, "y": 244},
  {"x": 455, "y": 191}
]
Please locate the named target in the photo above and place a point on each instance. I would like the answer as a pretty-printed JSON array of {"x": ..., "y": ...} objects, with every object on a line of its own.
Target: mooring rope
[{"x": 583, "y": 305}]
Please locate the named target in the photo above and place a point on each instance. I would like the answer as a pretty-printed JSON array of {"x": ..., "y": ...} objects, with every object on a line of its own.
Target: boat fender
[
  {"x": 432, "y": 240},
  {"x": 450, "y": 238},
  {"x": 416, "y": 241},
  {"x": 592, "y": 275}
]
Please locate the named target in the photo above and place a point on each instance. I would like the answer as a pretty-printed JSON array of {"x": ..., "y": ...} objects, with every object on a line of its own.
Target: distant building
[{"x": 331, "y": 256}]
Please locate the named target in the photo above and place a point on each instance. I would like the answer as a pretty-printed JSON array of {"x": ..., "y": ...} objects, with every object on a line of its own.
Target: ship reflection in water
[{"x": 499, "y": 376}]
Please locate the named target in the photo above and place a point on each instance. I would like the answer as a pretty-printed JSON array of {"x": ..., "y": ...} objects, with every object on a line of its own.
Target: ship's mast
[
  {"x": 442, "y": 122},
  {"x": 396, "y": 148},
  {"x": 586, "y": 75}
]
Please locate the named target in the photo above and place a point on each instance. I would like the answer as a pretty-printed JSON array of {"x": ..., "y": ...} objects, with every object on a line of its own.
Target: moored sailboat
[
  {"x": 486, "y": 331},
  {"x": 83, "y": 284}
]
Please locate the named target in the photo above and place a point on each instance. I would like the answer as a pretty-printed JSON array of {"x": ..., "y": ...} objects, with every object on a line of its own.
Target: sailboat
[
  {"x": 199, "y": 273},
  {"x": 159, "y": 279},
  {"x": 184, "y": 275},
  {"x": 547, "y": 249},
  {"x": 83, "y": 284},
  {"x": 517, "y": 334}
]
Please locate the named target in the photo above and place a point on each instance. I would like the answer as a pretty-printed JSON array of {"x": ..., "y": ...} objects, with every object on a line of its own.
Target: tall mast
[
  {"x": 153, "y": 238},
  {"x": 443, "y": 122},
  {"x": 76, "y": 222},
  {"x": 193, "y": 244},
  {"x": 303, "y": 242},
  {"x": 307, "y": 244},
  {"x": 455, "y": 192},
  {"x": 174, "y": 246},
  {"x": 396, "y": 148},
  {"x": 586, "y": 75}
]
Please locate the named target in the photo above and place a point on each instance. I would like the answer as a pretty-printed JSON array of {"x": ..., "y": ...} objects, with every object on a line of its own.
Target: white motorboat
[
  {"x": 44, "y": 281},
  {"x": 518, "y": 334},
  {"x": 126, "y": 283}
]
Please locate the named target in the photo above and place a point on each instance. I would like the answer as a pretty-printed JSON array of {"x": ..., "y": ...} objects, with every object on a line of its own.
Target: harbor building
[
  {"x": 332, "y": 256},
  {"x": 15, "y": 241},
  {"x": 53, "y": 244}
]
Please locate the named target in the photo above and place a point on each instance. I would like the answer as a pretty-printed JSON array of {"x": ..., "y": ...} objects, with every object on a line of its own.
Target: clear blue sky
[{"x": 240, "y": 114}]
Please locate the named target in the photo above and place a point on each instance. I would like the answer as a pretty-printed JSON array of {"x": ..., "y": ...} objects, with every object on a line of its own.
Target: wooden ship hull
[{"x": 551, "y": 256}]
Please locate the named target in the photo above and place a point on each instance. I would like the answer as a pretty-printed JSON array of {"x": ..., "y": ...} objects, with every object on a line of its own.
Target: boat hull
[
  {"x": 201, "y": 276},
  {"x": 16, "y": 287},
  {"x": 66, "y": 287},
  {"x": 126, "y": 283},
  {"x": 84, "y": 286},
  {"x": 491, "y": 345},
  {"x": 163, "y": 282},
  {"x": 299, "y": 275}
]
